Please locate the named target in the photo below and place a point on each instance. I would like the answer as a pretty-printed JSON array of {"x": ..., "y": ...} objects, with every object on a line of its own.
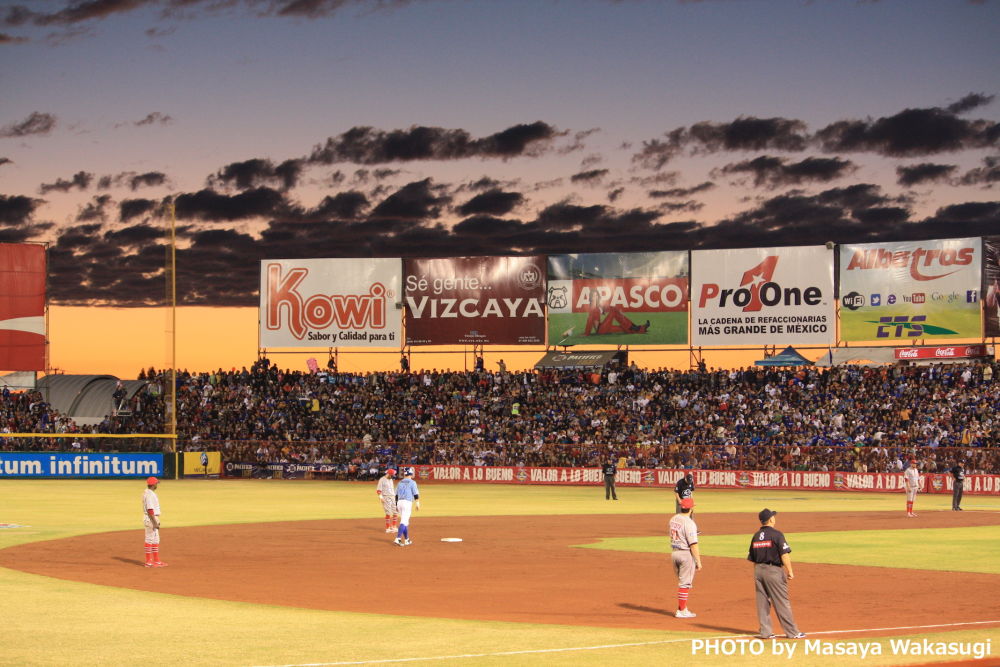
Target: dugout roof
[{"x": 85, "y": 398}]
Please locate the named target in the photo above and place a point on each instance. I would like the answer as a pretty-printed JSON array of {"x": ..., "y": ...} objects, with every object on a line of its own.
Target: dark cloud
[
  {"x": 909, "y": 133},
  {"x": 749, "y": 134},
  {"x": 681, "y": 192},
  {"x": 133, "y": 208},
  {"x": 36, "y": 123},
  {"x": 5, "y": 160},
  {"x": 209, "y": 205},
  {"x": 95, "y": 209},
  {"x": 590, "y": 177},
  {"x": 11, "y": 39},
  {"x": 342, "y": 206},
  {"x": 367, "y": 145},
  {"x": 986, "y": 175},
  {"x": 656, "y": 153},
  {"x": 259, "y": 172},
  {"x": 17, "y": 209},
  {"x": 773, "y": 172},
  {"x": 420, "y": 200},
  {"x": 155, "y": 118},
  {"x": 80, "y": 180},
  {"x": 492, "y": 202},
  {"x": 914, "y": 174},
  {"x": 970, "y": 102}
]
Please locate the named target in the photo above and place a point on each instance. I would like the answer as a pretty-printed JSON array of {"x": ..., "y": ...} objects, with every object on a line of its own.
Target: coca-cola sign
[{"x": 941, "y": 352}]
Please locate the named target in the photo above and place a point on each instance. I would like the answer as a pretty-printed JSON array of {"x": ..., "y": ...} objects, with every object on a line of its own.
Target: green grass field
[
  {"x": 664, "y": 329},
  {"x": 48, "y": 621}
]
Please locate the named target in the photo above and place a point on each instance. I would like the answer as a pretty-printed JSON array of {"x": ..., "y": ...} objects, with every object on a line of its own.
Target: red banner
[
  {"x": 707, "y": 479},
  {"x": 477, "y": 300},
  {"x": 941, "y": 352},
  {"x": 22, "y": 307}
]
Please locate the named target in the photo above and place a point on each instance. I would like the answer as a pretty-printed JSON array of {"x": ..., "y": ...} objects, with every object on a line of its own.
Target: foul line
[{"x": 661, "y": 642}]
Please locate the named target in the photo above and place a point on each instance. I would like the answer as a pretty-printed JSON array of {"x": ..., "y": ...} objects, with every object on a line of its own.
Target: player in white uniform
[
  {"x": 387, "y": 495},
  {"x": 911, "y": 482},
  {"x": 407, "y": 498},
  {"x": 151, "y": 521},
  {"x": 684, "y": 554}
]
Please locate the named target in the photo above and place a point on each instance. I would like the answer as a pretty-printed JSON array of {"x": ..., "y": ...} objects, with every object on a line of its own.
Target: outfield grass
[{"x": 47, "y": 621}]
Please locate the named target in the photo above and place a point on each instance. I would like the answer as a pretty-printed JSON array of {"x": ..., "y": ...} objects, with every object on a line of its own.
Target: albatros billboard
[{"x": 475, "y": 300}]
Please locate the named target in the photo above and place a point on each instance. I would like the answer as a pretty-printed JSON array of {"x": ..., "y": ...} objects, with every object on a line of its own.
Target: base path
[{"x": 524, "y": 569}]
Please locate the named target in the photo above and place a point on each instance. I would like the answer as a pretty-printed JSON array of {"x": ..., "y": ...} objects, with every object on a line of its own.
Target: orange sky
[{"x": 121, "y": 341}]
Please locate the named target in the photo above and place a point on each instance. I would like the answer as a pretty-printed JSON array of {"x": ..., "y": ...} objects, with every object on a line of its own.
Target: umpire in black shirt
[
  {"x": 958, "y": 486},
  {"x": 609, "y": 471},
  {"x": 771, "y": 571}
]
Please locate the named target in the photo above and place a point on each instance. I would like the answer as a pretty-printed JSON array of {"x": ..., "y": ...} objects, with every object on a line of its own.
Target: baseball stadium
[{"x": 541, "y": 496}]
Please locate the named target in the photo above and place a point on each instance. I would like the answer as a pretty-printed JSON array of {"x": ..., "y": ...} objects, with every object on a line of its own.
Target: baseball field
[{"x": 270, "y": 572}]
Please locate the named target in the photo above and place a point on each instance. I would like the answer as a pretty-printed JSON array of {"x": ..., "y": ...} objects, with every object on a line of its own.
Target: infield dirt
[{"x": 524, "y": 569}]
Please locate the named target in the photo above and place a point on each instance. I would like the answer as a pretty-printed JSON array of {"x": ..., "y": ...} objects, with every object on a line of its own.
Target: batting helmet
[{"x": 407, "y": 471}]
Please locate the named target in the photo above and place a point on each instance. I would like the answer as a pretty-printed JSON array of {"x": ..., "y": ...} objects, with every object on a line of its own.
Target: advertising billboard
[
  {"x": 22, "y": 307},
  {"x": 475, "y": 300},
  {"x": 910, "y": 290},
  {"x": 635, "y": 298},
  {"x": 329, "y": 302},
  {"x": 763, "y": 296},
  {"x": 991, "y": 286}
]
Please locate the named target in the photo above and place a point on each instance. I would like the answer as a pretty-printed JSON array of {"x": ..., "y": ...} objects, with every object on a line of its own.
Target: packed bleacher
[{"x": 849, "y": 418}]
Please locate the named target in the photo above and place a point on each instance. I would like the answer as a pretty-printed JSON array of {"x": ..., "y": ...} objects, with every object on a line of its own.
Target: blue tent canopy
[{"x": 787, "y": 357}]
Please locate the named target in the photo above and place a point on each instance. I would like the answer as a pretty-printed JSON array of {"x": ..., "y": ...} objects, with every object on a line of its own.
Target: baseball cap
[
  {"x": 407, "y": 471},
  {"x": 765, "y": 515},
  {"x": 390, "y": 471},
  {"x": 687, "y": 503},
  {"x": 151, "y": 481}
]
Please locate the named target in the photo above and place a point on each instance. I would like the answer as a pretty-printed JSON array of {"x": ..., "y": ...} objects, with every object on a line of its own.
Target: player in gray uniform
[
  {"x": 684, "y": 554},
  {"x": 771, "y": 571},
  {"x": 387, "y": 495},
  {"x": 407, "y": 499}
]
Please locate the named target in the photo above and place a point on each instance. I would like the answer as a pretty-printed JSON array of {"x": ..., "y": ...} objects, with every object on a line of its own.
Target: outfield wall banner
[
  {"x": 475, "y": 300},
  {"x": 991, "y": 286},
  {"x": 22, "y": 307},
  {"x": 202, "y": 464},
  {"x": 637, "y": 298},
  {"x": 330, "y": 302},
  {"x": 942, "y": 352},
  {"x": 706, "y": 479},
  {"x": 69, "y": 464},
  {"x": 763, "y": 296},
  {"x": 908, "y": 290}
]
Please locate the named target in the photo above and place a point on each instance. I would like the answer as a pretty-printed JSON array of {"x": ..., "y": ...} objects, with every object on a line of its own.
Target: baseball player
[
  {"x": 683, "y": 489},
  {"x": 958, "y": 487},
  {"x": 407, "y": 498},
  {"x": 387, "y": 495},
  {"x": 684, "y": 554},
  {"x": 771, "y": 571},
  {"x": 608, "y": 470},
  {"x": 151, "y": 521},
  {"x": 911, "y": 482}
]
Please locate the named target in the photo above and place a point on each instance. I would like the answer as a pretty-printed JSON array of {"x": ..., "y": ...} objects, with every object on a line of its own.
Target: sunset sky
[{"x": 388, "y": 128}]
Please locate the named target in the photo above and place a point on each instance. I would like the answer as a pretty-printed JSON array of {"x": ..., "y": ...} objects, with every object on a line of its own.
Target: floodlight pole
[{"x": 172, "y": 425}]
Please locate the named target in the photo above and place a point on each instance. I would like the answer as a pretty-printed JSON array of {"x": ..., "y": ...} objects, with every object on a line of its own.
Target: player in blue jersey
[{"x": 407, "y": 499}]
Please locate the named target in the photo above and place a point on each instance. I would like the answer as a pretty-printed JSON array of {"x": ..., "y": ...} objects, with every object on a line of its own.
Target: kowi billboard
[
  {"x": 22, "y": 307},
  {"x": 475, "y": 300},
  {"x": 329, "y": 302},
  {"x": 636, "y": 298},
  {"x": 762, "y": 296},
  {"x": 908, "y": 290}
]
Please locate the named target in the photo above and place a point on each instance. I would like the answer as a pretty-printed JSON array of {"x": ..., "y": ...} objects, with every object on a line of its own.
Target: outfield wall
[{"x": 639, "y": 477}]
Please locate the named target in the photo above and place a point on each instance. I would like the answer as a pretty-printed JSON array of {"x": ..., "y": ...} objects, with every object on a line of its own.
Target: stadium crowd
[{"x": 847, "y": 418}]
